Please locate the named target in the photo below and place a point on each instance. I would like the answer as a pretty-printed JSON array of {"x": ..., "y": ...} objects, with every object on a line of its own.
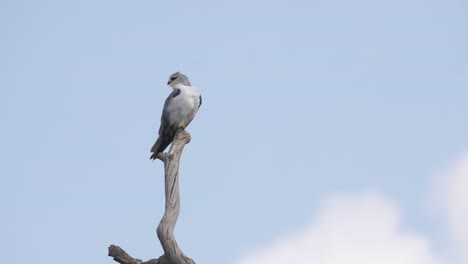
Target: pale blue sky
[{"x": 300, "y": 99}]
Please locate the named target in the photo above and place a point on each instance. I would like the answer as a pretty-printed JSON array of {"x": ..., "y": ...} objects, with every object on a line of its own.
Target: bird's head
[{"x": 178, "y": 78}]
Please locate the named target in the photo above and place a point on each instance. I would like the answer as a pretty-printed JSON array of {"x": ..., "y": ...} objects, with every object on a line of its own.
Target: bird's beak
[{"x": 168, "y": 82}]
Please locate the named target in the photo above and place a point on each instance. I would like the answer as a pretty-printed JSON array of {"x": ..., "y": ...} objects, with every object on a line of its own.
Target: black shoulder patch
[
  {"x": 175, "y": 93},
  {"x": 200, "y": 102}
]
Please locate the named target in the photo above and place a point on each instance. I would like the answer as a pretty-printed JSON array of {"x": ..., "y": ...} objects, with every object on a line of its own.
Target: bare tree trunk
[{"x": 165, "y": 231}]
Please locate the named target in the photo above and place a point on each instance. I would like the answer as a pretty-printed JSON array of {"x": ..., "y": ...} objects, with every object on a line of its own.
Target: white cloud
[
  {"x": 452, "y": 191},
  {"x": 351, "y": 229},
  {"x": 366, "y": 229}
]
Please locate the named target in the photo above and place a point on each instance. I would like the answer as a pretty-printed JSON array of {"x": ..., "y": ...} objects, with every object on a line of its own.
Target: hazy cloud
[
  {"x": 452, "y": 194},
  {"x": 352, "y": 229}
]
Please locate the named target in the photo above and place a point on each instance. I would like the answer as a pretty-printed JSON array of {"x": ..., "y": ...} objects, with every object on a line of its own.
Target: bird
[{"x": 179, "y": 109}]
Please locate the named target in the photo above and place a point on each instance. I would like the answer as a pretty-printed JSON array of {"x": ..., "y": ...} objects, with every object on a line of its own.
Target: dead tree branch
[{"x": 165, "y": 231}]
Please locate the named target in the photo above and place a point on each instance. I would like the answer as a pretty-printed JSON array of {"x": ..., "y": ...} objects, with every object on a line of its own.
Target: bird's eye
[{"x": 173, "y": 78}]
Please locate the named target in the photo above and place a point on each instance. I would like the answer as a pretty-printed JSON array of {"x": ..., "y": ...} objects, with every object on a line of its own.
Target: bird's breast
[{"x": 183, "y": 108}]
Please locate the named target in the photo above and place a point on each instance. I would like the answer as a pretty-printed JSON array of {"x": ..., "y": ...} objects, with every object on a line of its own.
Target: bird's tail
[
  {"x": 156, "y": 148},
  {"x": 161, "y": 144}
]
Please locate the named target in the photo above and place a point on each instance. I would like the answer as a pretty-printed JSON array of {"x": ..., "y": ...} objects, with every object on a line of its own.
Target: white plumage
[{"x": 183, "y": 108}]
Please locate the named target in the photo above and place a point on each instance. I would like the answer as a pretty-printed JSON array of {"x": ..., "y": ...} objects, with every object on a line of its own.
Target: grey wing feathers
[{"x": 166, "y": 132}]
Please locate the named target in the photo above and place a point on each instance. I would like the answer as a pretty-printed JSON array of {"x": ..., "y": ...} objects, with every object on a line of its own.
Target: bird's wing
[{"x": 166, "y": 131}]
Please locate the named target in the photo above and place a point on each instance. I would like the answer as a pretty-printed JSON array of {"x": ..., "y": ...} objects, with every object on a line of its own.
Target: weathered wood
[
  {"x": 165, "y": 231},
  {"x": 122, "y": 257}
]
